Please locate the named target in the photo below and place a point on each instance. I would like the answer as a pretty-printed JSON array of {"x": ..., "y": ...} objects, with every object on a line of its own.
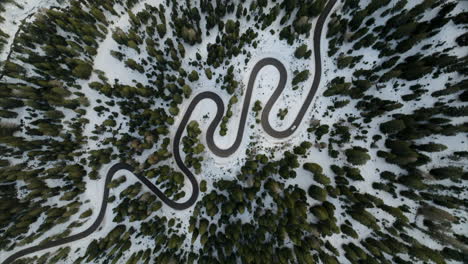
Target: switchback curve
[{"x": 209, "y": 137}]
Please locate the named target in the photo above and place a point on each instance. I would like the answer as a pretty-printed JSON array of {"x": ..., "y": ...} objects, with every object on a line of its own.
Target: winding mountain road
[{"x": 209, "y": 137}]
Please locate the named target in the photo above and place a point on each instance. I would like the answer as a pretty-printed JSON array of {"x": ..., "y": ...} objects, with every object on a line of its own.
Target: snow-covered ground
[{"x": 214, "y": 167}]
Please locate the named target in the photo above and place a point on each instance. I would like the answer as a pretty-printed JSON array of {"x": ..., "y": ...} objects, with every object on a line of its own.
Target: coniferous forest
[{"x": 234, "y": 131}]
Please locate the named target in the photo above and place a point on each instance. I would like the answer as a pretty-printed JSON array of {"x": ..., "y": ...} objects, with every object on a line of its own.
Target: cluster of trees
[
  {"x": 401, "y": 32},
  {"x": 343, "y": 61},
  {"x": 58, "y": 256},
  {"x": 161, "y": 154},
  {"x": 223, "y": 126},
  {"x": 228, "y": 240},
  {"x": 52, "y": 90},
  {"x": 152, "y": 19},
  {"x": 229, "y": 83},
  {"x": 343, "y": 132},
  {"x": 229, "y": 44},
  {"x": 302, "y": 52},
  {"x": 118, "y": 241},
  {"x": 299, "y": 76},
  {"x": 193, "y": 147},
  {"x": 337, "y": 86},
  {"x": 134, "y": 206},
  {"x": 163, "y": 65},
  {"x": 28, "y": 210},
  {"x": 393, "y": 243},
  {"x": 402, "y": 131},
  {"x": 317, "y": 171},
  {"x": 373, "y": 106},
  {"x": 257, "y": 107},
  {"x": 11, "y": 206},
  {"x": 422, "y": 123},
  {"x": 52, "y": 87},
  {"x": 404, "y": 28},
  {"x": 169, "y": 180},
  {"x": 4, "y": 36},
  {"x": 319, "y": 130},
  {"x": 302, "y": 22},
  {"x": 88, "y": 31},
  {"x": 186, "y": 23},
  {"x": 58, "y": 48}
]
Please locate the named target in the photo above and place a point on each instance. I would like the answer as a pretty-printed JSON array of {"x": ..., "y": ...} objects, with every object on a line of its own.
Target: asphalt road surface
[{"x": 209, "y": 137}]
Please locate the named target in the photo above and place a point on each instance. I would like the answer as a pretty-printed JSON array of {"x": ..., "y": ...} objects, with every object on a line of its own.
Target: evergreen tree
[
  {"x": 302, "y": 52},
  {"x": 357, "y": 156},
  {"x": 82, "y": 70},
  {"x": 193, "y": 76},
  {"x": 317, "y": 193},
  {"x": 454, "y": 173},
  {"x": 300, "y": 76},
  {"x": 392, "y": 126}
]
